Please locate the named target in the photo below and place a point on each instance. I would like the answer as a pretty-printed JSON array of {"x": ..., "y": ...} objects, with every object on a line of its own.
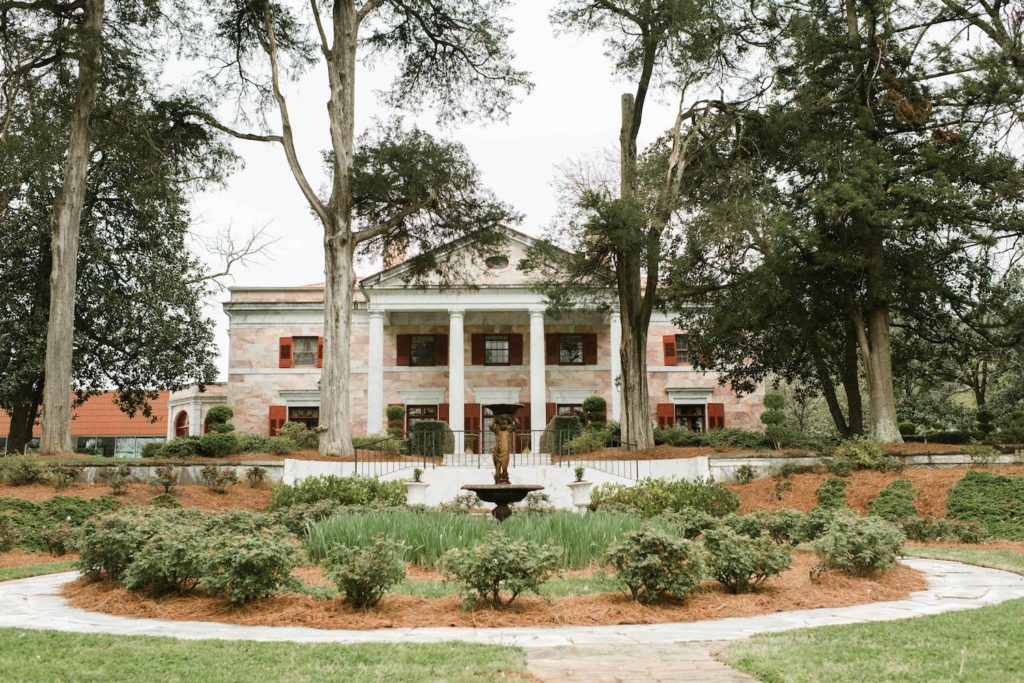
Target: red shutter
[
  {"x": 476, "y": 351},
  {"x": 278, "y": 416},
  {"x": 590, "y": 349},
  {"x": 403, "y": 346},
  {"x": 472, "y": 416},
  {"x": 319, "y": 352},
  {"x": 716, "y": 416},
  {"x": 549, "y": 411},
  {"x": 523, "y": 441},
  {"x": 440, "y": 349},
  {"x": 524, "y": 417},
  {"x": 669, "y": 343},
  {"x": 284, "y": 352},
  {"x": 666, "y": 414},
  {"x": 442, "y": 412},
  {"x": 551, "y": 349},
  {"x": 515, "y": 349}
]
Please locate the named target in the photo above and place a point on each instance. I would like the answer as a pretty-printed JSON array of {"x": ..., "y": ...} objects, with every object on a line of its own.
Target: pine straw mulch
[
  {"x": 792, "y": 590},
  {"x": 932, "y": 487},
  {"x": 241, "y": 458},
  {"x": 18, "y": 558},
  {"x": 238, "y": 497}
]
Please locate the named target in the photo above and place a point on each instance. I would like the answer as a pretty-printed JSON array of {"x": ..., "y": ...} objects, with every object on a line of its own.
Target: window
[
  {"x": 497, "y": 262},
  {"x": 95, "y": 445},
  {"x": 421, "y": 350},
  {"x": 414, "y": 414},
  {"x": 683, "y": 354},
  {"x": 570, "y": 349},
  {"x": 307, "y": 416},
  {"x": 690, "y": 416},
  {"x": 181, "y": 424},
  {"x": 304, "y": 351},
  {"x": 569, "y": 410},
  {"x": 496, "y": 349}
]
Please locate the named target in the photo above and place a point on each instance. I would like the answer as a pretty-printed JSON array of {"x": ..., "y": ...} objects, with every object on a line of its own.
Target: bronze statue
[{"x": 504, "y": 427}]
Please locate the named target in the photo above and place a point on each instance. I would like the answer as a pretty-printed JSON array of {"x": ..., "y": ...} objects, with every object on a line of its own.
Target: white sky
[{"x": 572, "y": 113}]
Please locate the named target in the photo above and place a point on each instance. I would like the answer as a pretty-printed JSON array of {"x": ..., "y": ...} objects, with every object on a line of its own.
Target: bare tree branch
[{"x": 231, "y": 252}]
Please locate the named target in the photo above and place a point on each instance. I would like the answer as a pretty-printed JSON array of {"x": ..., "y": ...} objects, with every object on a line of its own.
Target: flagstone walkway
[{"x": 668, "y": 652}]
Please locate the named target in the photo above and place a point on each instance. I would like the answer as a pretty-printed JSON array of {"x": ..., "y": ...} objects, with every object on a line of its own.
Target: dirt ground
[
  {"x": 932, "y": 485},
  {"x": 794, "y": 589},
  {"x": 238, "y": 497}
]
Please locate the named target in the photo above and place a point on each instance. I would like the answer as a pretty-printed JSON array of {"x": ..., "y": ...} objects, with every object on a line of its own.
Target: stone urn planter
[
  {"x": 581, "y": 494},
  {"x": 416, "y": 492}
]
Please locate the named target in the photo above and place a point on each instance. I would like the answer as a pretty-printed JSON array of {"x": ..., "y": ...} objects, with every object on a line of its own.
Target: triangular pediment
[{"x": 500, "y": 270}]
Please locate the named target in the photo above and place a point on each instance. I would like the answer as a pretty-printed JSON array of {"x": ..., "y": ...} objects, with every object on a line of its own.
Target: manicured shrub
[
  {"x": 734, "y": 438},
  {"x": 595, "y": 409},
  {"x": 907, "y": 428},
  {"x": 924, "y": 529},
  {"x": 650, "y": 497},
  {"x": 497, "y": 569},
  {"x": 299, "y": 435},
  {"x": 995, "y": 501},
  {"x": 740, "y": 562},
  {"x": 895, "y": 501},
  {"x": 221, "y": 428},
  {"x": 559, "y": 433},
  {"x": 862, "y": 454},
  {"x": 21, "y": 471},
  {"x": 773, "y": 418},
  {"x": 181, "y": 447},
  {"x": 654, "y": 565},
  {"x": 591, "y": 439},
  {"x": 688, "y": 522},
  {"x": 246, "y": 567},
  {"x": 107, "y": 545},
  {"x": 218, "y": 479},
  {"x": 432, "y": 438},
  {"x": 153, "y": 449},
  {"x": 118, "y": 478},
  {"x": 217, "y": 445},
  {"x": 254, "y": 443},
  {"x": 278, "y": 445},
  {"x": 677, "y": 436},
  {"x": 365, "y": 574},
  {"x": 61, "y": 477},
  {"x": 379, "y": 443},
  {"x": 396, "y": 419},
  {"x": 166, "y": 478},
  {"x": 219, "y": 414},
  {"x": 832, "y": 493},
  {"x": 781, "y": 526},
  {"x": 355, "y": 490},
  {"x": 859, "y": 545},
  {"x": 170, "y": 561},
  {"x": 815, "y": 523},
  {"x": 256, "y": 476}
]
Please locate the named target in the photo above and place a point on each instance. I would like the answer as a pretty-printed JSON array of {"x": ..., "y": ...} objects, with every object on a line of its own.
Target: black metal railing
[{"x": 390, "y": 454}]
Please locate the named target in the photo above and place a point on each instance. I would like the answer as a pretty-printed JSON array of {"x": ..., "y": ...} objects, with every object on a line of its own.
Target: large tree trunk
[
  {"x": 339, "y": 241},
  {"x": 23, "y": 419},
  {"x": 850, "y": 379},
  {"x": 67, "y": 215},
  {"x": 873, "y": 335}
]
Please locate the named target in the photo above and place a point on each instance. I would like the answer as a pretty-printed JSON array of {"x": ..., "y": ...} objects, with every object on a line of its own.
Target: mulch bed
[
  {"x": 374, "y": 456},
  {"x": 18, "y": 558},
  {"x": 666, "y": 452},
  {"x": 792, "y": 590},
  {"x": 239, "y": 497},
  {"x": 932, "y": 485}
]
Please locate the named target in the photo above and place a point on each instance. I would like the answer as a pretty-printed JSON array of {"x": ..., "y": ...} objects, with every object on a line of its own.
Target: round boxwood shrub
[
  {"x": 654, "y": 565},
  {"x": 365, "y": 574},
  {"x": 153, "y": 449},
  {"x": 107, "y": 545},
  {"x": 301, "y": 437},
  {"x": 181, "y": 447},
  {"x": 895, "y": 501},
  {"x": 498, "y": 566},
  {"x": 859, "y": 545},
  {"x": 169, "y": 562},
  {"x": 781, "y": 526},
  {"x": 219, "y": 414},
  {"x": 215, "y": 445},
  {"x": 248, "y": 566},
  {"x": 740, "y": 562},
  {"x": 595, "y": 409}
]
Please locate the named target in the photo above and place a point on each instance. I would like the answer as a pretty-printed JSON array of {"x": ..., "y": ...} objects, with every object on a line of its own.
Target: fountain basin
[{"x": 502, "y": 495}]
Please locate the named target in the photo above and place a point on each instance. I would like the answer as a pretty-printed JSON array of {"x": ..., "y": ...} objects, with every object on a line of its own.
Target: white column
[
  {"x": 457, "y": 376},
  {"x": 538, "y": 376},
  {"x": 375, "y": 375},
  {"x": 616, "y": 365}
]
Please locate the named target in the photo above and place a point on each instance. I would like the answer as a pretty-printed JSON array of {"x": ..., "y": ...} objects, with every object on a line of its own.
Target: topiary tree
[
  {"x": 595, "y": 410},
  {"x": 773, "y": 417},
  {"x": 432, "y": 438},
  {"x": 396, "y": 420},
  {"x": 984, "y": 418}
]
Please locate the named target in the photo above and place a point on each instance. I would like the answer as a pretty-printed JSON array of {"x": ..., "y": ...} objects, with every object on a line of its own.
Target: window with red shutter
[
  {"x": 515, "y": 349},
  {"x": 476, "y": 349},
  {"x": 551, "y": 349},
  {"x": 590, "y": 349},
  {"x": 278, "y": 416},
  {"x": 666, "y": 415},
  {"x": 549, "y": 411},
  {"x": 442, "y": 412},
  {"x": 440, "y": 349},
  {"x": 284, "y": 352},
  {"x": 319, "y": 352},
  {"x": 402, "y": 346},
  {"x": 669, "y": 344},
  {"x": 716, "y": 416}
]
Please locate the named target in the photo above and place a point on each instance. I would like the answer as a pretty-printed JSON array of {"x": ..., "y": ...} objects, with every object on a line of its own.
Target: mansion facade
[{"x": 445, "y": 354}]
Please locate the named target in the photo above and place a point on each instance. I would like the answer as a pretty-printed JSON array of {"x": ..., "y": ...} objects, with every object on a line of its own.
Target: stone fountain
[{"x": 502, "y": 492}]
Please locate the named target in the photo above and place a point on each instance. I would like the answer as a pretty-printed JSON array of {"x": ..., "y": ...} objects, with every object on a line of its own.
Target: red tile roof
[{"x": 100, "y": 416}]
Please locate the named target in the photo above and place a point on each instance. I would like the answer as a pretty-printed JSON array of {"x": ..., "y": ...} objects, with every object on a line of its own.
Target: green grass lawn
[
  {"x": 51, "y": 656},
  {"x": 11, "y": 573},
  {"x": 985, "y": 644}
]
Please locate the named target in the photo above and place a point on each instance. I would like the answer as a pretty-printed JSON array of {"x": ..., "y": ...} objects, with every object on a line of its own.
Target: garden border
[{"x": 36, "y": 603}]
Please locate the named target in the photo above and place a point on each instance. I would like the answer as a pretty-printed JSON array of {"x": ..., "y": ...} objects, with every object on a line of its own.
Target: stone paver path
[{"x": 677, "y": 651}]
